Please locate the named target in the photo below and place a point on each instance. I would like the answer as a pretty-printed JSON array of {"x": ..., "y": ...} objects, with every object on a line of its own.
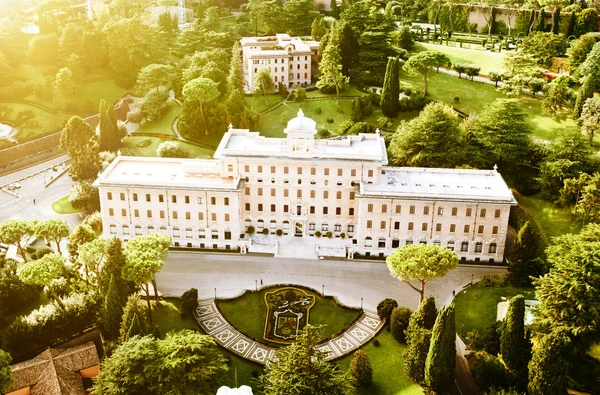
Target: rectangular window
[
  {"x": 259, "y": 191},
  {"x": 122, "y": 196},
  {"x": 213, "y": 216},
  {"x": 494, "y": 230},
  {"x": 438, "y": 227},
  {"x": 247, "y": 191},
  {"x": 480, "y": 230},
  {"x": 350, "y": 228},
  {"x": 411, "y": 210},
  {"x": 325, "y": 194},
  {"x": 286, "y": 193},
  {"x": 466, "y": 230},
  {"x": 247, "y": 205},
  {"x": 483, "y": 212},
  {"x": 199, "y": 199},
  {"x": 469, "y": 212},
  {"x": 299, "y": 170},
  {"x": 162, "y": 214},
  {"x": 109, "y": 195},
  {"x": 286, "y": 208},
  {"x": 454, "y": 211},
  {"x": 370, "y": 208},
  {"x": 259, "y": 169},
  {"x": 226, "y": 217},
  {"x": 135, "y": 197},
  {"x": 382, "y": 225},
  {"x": 440, "y": 211},
  {"x": 426, "y": 210},
  {"x": 260, "y": 206},
  {"x": 161, "y": 199},
  {"x": 464, "y": 247},
  {"x": 201, "y": 216},
  {"x": 187, "y": 200},
  {"x": 299, "y": 193},
  {"x": 174, "y": 198},
  {"x": 338, "y": 195},
  {"x": 174, "y": 214},
  {"x": 111, "y": 211},
  {"x": 226, "y": 201},
  {"x": 313, "y": 171},
  {"x": 312, "y": 209},
  {"x": 353, "y": 173},
  {"x": 369, "y": 224},
  {"x": 351, "y": 195},
  {"x": 286, "y": 170},
  {"x": 325, "y": 210},
  {"x": 424, "y": 226},
  {"x": 492, "y": 249},
  {"x": 273, "y": 193},
  {"x": 247, "y": 168},
  {"x": 337, "y": 228},
  {"x": 384, "y": 208},
  {"x": 273, "y": 171},
  {"x": 188, "y": 215},
  {"x": 396, "y": 225},
  {"x": 312, "y": 194},
  {"x": 326, "y": 171},
  {"x": 148, "y": 197},
  {"x": 398, "y": 209},
  {"x": 351, "y": 211},
  {"x": 452, "y": 228},
  {"x": 338, "y": 211},
  {"x": 411, "y": 226},
  {"x": 497, "y": 213},
  {"x": 229, "y": 167},
  {"x": 311, "y": 226},
  {"x": 370, "y": 173},
  {"x": 273, "y": 208},
  {"x": 478, "y": 247},
  {"x": 123, "y": 212},
  {"x": 340, "y": 172}
]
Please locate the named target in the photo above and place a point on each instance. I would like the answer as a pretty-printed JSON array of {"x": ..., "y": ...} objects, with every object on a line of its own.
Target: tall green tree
[
  {"x": 416, "y": 352},
  {"x": 92, "y": 256},
  {"x": 80, "y": 235},
  {"x": 154, "y": 76},
  {"x": 17, "y": 232},
  {"x": 333, "y": 9},
  {"x": 183, "y": 362},
  {"x": 590, "y": 70},
  {"x": 298, "y": 16},
  {"x": 349, "y": 47},
  {"x": 64, "y": 85},
  {"x": 578, "y": 51},
  {"x": 590, "y": 118},
  {"x": 200, "y": 91},
  {"x": 145, "y": 255},
  {"x": 235, "y": 79},
  {"x": 113, "y": 265},
  {"x": 80, "y": 141},
  {"x": 302, "y": 367},
  {"x": 441, "y": 358},
  {"x": 135, "y": 328},
  {"x": 421, "y": 263},
  {"x": 112, "y": 310},
  {"x": 6, "y": 379},
  {"x": 569, "y": 294},
  {"x": 106, "y": 134},
  {"x": 44, "y": 272},
  {"x": 433, "y": 139},
  {"x": 548, "y": 369},
  {"x": 423, "y": 62},
  {"x": 390, "y": 94},
  {"x": 515, "y": 348},
  {"x": 133, "y": 308},
  {"x": 361, "y": 370},
  {"x": 53, "y": 230},
  {"x": 525, "y": 256},
  {"x": 330, "y": 67}
]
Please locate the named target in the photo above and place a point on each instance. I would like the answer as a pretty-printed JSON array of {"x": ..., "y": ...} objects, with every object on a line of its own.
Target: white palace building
[{"x": 303, "y": 187}]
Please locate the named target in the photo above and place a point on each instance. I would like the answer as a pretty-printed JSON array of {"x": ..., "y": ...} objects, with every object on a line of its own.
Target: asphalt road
[{"x": 349, "y": 281}]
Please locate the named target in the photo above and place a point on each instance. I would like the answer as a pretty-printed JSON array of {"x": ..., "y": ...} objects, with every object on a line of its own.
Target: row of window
[
  {"x": 177, "y": 232},
  {"x": 282, "y": 61},
  {"x": 161, "y": 199},
  {"x": 425, "y": 226},
  {"x": 174, "y": 214},
  {"x": 324, "y": 227},
  {"x": 286, "y": 209},
  {"x": 440, "y": 210},
  {"x": 299, "y": 170},
  {"x": 312, "y": 193},
  {"x": 464, "y": 246}
]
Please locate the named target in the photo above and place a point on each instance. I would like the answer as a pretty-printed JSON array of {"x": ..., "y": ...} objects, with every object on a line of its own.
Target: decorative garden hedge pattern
[{"x": 287, "y": 314}]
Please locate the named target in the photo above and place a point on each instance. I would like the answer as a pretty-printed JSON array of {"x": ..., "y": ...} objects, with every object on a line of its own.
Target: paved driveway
[{"x": 350, "y": 281}]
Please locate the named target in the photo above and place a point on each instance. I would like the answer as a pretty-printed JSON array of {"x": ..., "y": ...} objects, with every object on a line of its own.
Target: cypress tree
[
  {"x": 585, "y": 92},
  {"x": 135, "y": 328},
  {"x": 334, "y": 12},
  {"x": 115, "y": 260},
  {"x": 399, "y": 320},
  {"x": 441, "y": 358},
  {"x": 556, "y": 20},
  {"x": 524, "y": 256},
  {"x": 356, "y": 115},
  {"x": 390, "y": 93},
  {"x": 133, "y": 308},
  {"x": 156, "y": 333},
  {"x": 117, "y": 136},
  {"x": 112, "y": 310},
  {"x": 415, "y": 355},
  {"x": 514, "y": 346},
  {"x": 105, "y": 132},
  {"x": 361, "y": 370},
  {"x": 541, "y": 21},
  {"x": 235, "y": 78},
  {"x": 571, "y": 27},
  {"x": 548, "y": 369}
]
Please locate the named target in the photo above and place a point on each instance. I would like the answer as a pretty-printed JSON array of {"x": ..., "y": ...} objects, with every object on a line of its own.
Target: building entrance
[{"x": 299, "y": 232}]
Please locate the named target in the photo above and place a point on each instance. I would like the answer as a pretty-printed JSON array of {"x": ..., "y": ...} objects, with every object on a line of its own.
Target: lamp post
[
  {"x": 361, "y": 303},
  {"x": 256, "y": 285},
  {"x": 215, "y": 293},
  {"x": 471, "y": 278},
  {"x": 323, "y": 292}
]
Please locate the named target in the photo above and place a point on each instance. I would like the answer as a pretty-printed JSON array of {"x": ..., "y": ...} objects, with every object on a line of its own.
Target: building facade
[
  {"x": 305, "y": 187},
  {"x": 289, "y": 60}
]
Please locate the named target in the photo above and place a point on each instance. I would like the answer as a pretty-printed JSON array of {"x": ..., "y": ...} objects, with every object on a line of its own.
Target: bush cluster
[{"x": 189, "y": 302}]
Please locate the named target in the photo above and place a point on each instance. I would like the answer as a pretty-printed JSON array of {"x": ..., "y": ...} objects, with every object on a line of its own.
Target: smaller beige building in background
[
  {"x": 300, "y": 187},
  {"x": 290, "y": 60}
]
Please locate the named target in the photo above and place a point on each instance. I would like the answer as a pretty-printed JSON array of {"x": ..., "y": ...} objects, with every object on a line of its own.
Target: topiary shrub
[
  {"x": 399, "y": 322},
  {"x": 343, "y": 235},
  {"x": 279, "y": 232},
  {"x": 171, "y": 149},
  {"x": 493, "y": 280},
  {"x": 375, "y": 342},
  {"x": 41, "y": 251},
  {"x": 318, "y": 233},
  {"x": 189, "y": 302},
  {"x": 323, "y": 133},
  {"x": 384, "y": 309},
  {"x": 144, "y": 143},
  {"x": 250, "y": 230},
  {"x": 329, "y": 235},
  {"x": 488, "y": 371},
  {"x": 361, "y": 371},
  {"x": 265, "y": 231}
]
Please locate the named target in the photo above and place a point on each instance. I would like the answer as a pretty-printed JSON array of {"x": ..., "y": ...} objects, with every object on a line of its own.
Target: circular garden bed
[{"x": 275, "y": 314}]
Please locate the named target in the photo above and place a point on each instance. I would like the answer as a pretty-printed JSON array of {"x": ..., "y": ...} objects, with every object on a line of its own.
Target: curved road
[{"x": 349, "y": 281}]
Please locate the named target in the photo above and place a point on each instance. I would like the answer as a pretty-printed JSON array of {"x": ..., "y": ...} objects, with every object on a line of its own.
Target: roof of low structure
[
  {"x": 160, "y": 172},
  {"x": 55, "y": 371},
  {"x": 440, "y": 184}
]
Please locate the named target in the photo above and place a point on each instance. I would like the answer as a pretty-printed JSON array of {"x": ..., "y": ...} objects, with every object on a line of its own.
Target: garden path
[{"x": 214, "y": 324}]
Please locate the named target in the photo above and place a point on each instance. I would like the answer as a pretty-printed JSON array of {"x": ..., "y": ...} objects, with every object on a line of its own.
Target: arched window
[
  {"x": 381, "y": 242},
  {"x": 286, "y": 225},
  {"x": 260, "y": 223},
  {"x": 464, "y": 246},
  {"x": 273, "y": 224},
  {"x": 275, "y": 67},
  {"x": 275, "y": 79},
  {"x": 451, "y": 245},
  {"x": 493, "y": 247},
  {"x": 368, "y": 242},
  {"x": 298, "y": 76},
  {"x": 478, "y": 246}
]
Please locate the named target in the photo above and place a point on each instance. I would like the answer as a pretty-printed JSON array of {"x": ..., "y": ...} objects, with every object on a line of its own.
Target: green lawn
[
  {"x": 62, "y": 206},
  {"x": 553, "y": 220},
  {"x": 476, "y": 306},
  {"x": 260, "y": 104},
  {"x": 248, "y": 312},
  {"x": 163, "y": 125},
  {"x": 350, "y": 90},
  {"x": 130, "y": 143},
  {"x": 485, "y": 59},
  {"x": 388, "y": 373}
]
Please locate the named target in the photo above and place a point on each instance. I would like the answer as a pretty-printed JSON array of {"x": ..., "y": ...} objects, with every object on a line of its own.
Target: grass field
[
  {"x": 130, "y": 143},
  {"x": 260, "y": 104},
  {"x": 162, "y": 126},
  {"x": 62, "y": 206},
  {"x": 553, "y": 220},
  {"x": 388, "y": 373},
  {"x": 45, "y": 122},
  {"x": 476, "y": 306},
  {"x": 248, "y": 314},
  {"x": 485, "y": 59}
]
